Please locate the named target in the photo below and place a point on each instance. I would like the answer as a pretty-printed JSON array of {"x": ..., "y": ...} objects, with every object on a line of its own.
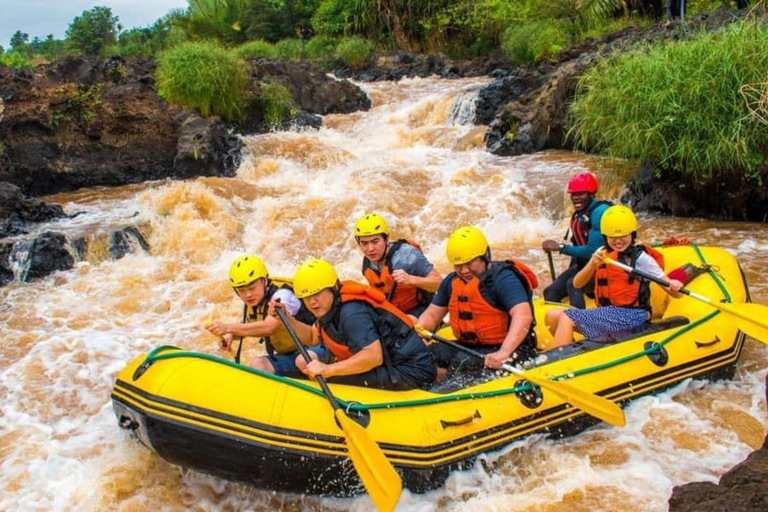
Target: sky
[{"x": 43, "y": 17}]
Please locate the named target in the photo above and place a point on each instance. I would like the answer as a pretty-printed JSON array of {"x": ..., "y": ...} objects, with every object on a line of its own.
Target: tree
[
  {"x": 19, "y": 41},
  {"x": 92, "y": 31}
]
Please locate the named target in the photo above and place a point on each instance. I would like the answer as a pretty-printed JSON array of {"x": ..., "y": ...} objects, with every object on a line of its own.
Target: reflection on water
[{"x": 296, "y": 196}]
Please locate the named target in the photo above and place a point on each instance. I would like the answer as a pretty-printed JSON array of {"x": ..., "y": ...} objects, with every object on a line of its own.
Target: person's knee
[
  {"x": 551, "y": 319},
  {"x": 262, "y": 363}
]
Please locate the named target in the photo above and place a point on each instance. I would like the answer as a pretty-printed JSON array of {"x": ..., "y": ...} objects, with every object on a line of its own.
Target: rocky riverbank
[{"x": 743, "y": 488}]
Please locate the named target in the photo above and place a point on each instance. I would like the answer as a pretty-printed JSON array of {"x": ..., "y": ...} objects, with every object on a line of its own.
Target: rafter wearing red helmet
[{"x": 585, "y": 239}]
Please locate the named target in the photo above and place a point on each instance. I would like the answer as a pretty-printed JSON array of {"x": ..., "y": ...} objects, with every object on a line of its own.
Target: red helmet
[{"x": 582, "y": 182}]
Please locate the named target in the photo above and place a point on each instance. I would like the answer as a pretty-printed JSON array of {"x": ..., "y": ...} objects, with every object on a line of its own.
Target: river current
[{"x": 416, "y": 158}]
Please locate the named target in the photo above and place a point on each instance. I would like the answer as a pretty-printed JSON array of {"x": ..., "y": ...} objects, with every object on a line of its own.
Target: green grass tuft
[
  {"x": 257, "y": 49},
  {"x": 354, "y": 51},
  {"x": 205, "y": 76},
  {"x": 678, "y": 106},
  {"x": 275, "y": 100}
]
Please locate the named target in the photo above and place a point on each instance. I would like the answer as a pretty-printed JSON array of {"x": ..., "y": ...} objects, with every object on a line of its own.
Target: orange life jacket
[
  {"x": 351, "y": 290},
  {"x": 406, "y": 297},
  {"x": 474, "y": 318},
  {"x": 616, "y": 287}
]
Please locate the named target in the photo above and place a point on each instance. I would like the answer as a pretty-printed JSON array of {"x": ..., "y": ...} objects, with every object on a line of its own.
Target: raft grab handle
[{"x": 448, "y": 423}]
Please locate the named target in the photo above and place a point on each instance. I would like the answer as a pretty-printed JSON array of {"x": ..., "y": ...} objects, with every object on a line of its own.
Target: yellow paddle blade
[
  {"x": 376, "y": 472},
  {"x": 754, "y": 316},
  {"x": 593, "y": 405}
]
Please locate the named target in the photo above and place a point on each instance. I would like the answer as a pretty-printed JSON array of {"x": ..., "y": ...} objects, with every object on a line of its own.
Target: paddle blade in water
[
  {"x": 594, "y": 405},
  {"x": 376, "y": 472}
]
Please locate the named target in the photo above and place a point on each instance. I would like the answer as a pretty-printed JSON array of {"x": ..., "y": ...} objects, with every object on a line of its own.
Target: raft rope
[{"x": 170, "y": 352}]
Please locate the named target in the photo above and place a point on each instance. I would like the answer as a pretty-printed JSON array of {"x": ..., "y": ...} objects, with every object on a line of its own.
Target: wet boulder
[
  {"x": 17, "y": 211},
  {"x": 45, "y": 254},
  {"x": 744, "y": 487}
]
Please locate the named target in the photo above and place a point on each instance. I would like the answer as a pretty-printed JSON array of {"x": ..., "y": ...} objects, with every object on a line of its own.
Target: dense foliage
[
  {"x": 92, "y": 31},
  {"x": 680, "y": 106},
  {"x": 205, "y": 76}
]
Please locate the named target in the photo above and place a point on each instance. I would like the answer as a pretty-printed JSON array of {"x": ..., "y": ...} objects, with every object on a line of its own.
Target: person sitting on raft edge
[
  {"x": 623, "y": 301},
  {"x": 490, "y": 305},
  {"x": 250, "y": 281},
  {"x": 373, "y": 342},
  {"x": 397, "y": 269}
]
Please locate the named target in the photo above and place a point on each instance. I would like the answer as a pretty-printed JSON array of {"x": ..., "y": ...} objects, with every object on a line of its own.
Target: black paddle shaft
[
  {"x": 305, "y": 355},
  {"x": 240, "y": 342},
  {"x": 462, "y": 348}
]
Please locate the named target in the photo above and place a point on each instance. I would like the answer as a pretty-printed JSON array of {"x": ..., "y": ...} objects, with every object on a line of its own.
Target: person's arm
[
  {"x": 367, "y": 359},
  {"x": 595, "y": 239},
  {"x": 308, "y": 334},
  {"x": 583, "y": 276},
  {"x": 432, "y": 317},
  {"x": 522, "y": 318},
  {"x": 430, "y": 282},
  {"x": 647, "y": 264},
  {"x": 262, "y": 328}
]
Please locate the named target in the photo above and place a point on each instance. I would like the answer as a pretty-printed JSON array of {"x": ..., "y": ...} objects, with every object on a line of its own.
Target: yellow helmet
[
  {"x": 312, "y": 277},
  {"x": 618, "y": 220},
  {"x": 371, "y": 224},
  {"x": 465, "y": 244},
  {"x": 246, "y": 269}
]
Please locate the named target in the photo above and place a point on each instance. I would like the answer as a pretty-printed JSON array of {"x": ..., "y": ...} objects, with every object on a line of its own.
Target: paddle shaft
[
  {"x": 305, "y": 355},
  {"x": 655, "y": 279},
  {"x": 475, "y": 353},
  {"x": 240, "y": 341},
  {"x": 552, "y": 272}
]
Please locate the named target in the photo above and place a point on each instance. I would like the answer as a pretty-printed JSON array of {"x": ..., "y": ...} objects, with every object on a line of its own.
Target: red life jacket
[
  {"x": 474, "y": 318},
  {"x": 581, "y": 223},
  {"x": 406, "y": 297},
  {"x": 615, "y": 287},
  {"x": 351, "y": 290}
]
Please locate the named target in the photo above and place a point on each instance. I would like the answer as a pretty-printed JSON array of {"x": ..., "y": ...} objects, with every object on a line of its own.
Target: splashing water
[{"x": 414, "y": 158}]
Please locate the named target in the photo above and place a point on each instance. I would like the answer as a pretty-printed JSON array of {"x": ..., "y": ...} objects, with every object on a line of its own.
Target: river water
[{"x": 415, "y": 158}]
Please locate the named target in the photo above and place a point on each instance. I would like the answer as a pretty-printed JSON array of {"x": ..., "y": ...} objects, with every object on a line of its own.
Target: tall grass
[
  {"x": 276, "y": 101},
  {"x": 290, "y": 49},
  {"x": 678, "y": 106},
  {"x": 256, "y": 49},
  {"x": 354, "y": 51},
  {"x": 205, "y": 76},
  {"x": 534, "y": 40}
]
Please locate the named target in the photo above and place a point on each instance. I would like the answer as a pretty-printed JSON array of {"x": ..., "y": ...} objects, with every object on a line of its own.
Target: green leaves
[
  {"x": 678, "y": 105},
  {"x": 204, "y": 76}
]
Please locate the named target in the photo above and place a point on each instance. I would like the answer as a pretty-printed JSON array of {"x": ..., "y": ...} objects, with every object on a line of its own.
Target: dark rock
[
  {"x": 45, "y": 254},
  {"x": 16, "y": 211},
  {"x": 205, "y": 147},
  {"x": 509, "y": 87},
  {"x": 396, "y": 65},
  {"x": 6, "y": 274},
  {"x": 313, "y": 90},
  {"x": 122, "y": 242},
  {"x": 95, "y": 122},
  {"x": 743, "y": 488}
]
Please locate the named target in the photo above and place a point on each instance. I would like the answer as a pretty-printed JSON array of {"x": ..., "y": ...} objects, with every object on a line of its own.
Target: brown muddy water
[{"x": 414, "y": 158}]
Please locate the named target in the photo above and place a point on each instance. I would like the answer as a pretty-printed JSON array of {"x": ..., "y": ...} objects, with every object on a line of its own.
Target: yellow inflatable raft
[{"x": 210, "y": 414}]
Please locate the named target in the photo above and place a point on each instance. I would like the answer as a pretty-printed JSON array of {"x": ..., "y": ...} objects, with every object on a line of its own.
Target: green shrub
[
  {"x": 275, "y": 100},
  {"x": 290, "y": 49},
  {"x": 204, "y": 76},
  {"x": 534, "y": 40},
  {"x": 257, "y": 49},
  {"x": 678, "y": 105},
  {"x": 353, "y": 51},
  {"x": 15, "y": 60},
  {"x": 320, "y": 47}
]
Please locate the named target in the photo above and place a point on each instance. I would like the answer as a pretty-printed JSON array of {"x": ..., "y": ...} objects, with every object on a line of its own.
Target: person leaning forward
[
  {"x": 585, "y": 239},
  {"x": 250, "y": 280},
  {"x": 373, "y": 342},
  {"x": 490, "y": 305},
  {"x": 397, "y": 269}
]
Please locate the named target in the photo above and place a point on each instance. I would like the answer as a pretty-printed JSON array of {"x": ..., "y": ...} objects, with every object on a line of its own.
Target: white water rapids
[{"x": 415, "y": 159}]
